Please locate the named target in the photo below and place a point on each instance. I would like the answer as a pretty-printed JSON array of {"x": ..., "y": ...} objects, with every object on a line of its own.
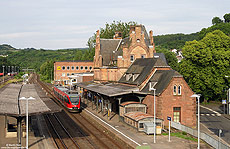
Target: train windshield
[{"x": 74, "y": 100}]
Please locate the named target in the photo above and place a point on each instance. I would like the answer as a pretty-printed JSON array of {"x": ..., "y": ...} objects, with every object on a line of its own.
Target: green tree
[
  {"x": 109, "y": 31},
  {"x": 46, "y": 70},
  {"x": 206, "y": 63},
  {"x": 227, "y": 18},
  {"x": 216, "y": 20},
  {"x": 224, "y": 27}
]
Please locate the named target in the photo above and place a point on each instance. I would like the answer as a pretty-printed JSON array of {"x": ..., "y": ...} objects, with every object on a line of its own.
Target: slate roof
[
  {"x": 107, "y": 48},
  {"x": 11, "y": 105},
  {"x": 109, "y": 45},
  {"x": 162, "y": 79},
  {"x": 142, "y": 68},
  {"x": 109, "y": 89}
]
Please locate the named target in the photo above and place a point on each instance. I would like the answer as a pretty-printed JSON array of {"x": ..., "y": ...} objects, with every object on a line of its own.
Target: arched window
[
  {"x": 77, "y": 67},
  {"x": 68, "y": 67},
  {"x": 63, "y": 67},
  {"x": 72, "y": 67},
  {"x": 174, "y": 89},
  {"x": 179, "y": 90}
]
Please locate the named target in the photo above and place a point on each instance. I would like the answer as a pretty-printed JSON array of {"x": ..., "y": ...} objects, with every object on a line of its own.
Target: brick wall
[
  {"x": 166, "y": 101},
  {"x": 59, "y": 72}
]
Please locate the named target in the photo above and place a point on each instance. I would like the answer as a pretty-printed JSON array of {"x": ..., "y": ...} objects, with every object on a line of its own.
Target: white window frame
[
  {"x": 63, "y": 67},
  {"x": 179, "y": 90},
  {"x": 72, "y": 67},
  {"x": 68, "y": 68},
  {"x": 82, "y": 67},
  {"x": 132, "y": 58},
  {"x": 77, "y": 68},
  {"x": 174, "y": 90}
]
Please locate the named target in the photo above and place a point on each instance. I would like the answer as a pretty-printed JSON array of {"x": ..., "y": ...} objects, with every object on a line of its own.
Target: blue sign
[
  {"x": 168, "y": 118},
  {"x": 99, "y": 100}
]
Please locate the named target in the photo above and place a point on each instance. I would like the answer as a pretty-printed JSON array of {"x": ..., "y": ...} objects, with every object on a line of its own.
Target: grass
[
  {"x": 182, "y": 135},
  {"x": 11, "y": 81}
]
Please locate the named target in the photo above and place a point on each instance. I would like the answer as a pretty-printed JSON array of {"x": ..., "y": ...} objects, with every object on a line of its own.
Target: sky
[{"x": 60, "y": 24}]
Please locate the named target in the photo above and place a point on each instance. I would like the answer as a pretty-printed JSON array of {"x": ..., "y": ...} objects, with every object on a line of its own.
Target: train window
[
  {"x": 63, "y": 67},
  {"x": 68, "y": 67},
  {"x": 67, "y": 100},
  {"x": 72, "y": 67},
  {"x": 77, "y": 67},
  {"x": 74, "y": 100}
]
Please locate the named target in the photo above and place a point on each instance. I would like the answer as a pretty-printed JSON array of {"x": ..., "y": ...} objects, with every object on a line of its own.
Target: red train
[{"x": 70, "y": 99}]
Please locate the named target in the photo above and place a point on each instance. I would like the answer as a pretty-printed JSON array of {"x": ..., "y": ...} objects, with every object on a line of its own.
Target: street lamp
[
  {"x": 228, "y": 107},
  {"x": 198, "y": 127},
  {"x": 154, "y": 120},
  {"x": 27, "y": 119}
]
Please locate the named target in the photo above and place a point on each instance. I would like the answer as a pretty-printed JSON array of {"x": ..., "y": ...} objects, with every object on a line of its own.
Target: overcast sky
[{"x": 57, "y": 24}]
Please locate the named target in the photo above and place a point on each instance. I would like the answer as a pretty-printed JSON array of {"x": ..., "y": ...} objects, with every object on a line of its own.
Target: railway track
[
  {"x": 61, "y": 136},
  {"x": 83, "y": 131}
]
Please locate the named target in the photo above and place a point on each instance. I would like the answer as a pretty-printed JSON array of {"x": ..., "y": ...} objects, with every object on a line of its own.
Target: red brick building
[
  {"x": 134, "y": 67},
  {"x": 64, "y": 69},
  {"x": 114, "y": 56}
]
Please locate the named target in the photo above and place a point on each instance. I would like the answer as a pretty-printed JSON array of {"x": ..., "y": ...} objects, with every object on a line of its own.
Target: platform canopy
[
  {"x": 11, "y": 105},
  {"x": 109, "y": 89}
]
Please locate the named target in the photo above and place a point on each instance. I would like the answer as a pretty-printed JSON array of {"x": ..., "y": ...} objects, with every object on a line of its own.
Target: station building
[
  {"x": 129, "y": 70},
  {"x": 65, "y": 70}
]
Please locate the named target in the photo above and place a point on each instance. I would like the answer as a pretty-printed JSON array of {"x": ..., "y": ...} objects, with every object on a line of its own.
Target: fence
[{"x": 205, "y": 137}]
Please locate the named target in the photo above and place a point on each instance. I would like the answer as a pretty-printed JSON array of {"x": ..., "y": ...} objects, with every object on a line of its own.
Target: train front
[{"x": 75, "y": 100}]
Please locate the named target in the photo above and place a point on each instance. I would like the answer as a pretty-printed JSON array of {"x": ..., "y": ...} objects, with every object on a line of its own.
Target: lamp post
[
  {"x": 3, "y": 73},
  {"x": 154, "y": 106},
  {"x": 198, "y": 125},
  {"x": 228, "y": 101},
  {"x": 27, "y": 118}
]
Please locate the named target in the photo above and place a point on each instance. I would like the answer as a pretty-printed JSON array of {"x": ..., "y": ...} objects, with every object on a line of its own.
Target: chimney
[{"x": 151, "y": 37}]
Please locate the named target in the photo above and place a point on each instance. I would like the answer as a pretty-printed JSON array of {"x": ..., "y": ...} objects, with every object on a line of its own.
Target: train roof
[{"x": 67, "y": 91}]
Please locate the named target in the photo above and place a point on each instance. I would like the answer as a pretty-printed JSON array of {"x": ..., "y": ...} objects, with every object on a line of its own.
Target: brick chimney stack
[{"x": 97, "y": 57}]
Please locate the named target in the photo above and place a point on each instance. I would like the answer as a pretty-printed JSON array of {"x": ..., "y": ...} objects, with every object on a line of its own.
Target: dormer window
[
  {"x": 128, "y": 76},
  {"x": 135, "y": 76},
  {"x": 132, "y": 58},
  {"x": 143, "y": 56}
]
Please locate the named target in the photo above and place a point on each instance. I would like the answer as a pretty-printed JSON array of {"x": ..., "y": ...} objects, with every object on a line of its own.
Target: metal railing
[{"x": 205, "y": 137}]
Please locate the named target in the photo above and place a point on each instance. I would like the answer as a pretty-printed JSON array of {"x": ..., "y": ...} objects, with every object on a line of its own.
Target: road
[{"x": 214, "y": 122}]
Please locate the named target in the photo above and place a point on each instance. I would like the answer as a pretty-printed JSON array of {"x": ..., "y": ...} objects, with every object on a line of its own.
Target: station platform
[
  {"x": 13, "y": 112},
  {"x": 138, "y": 139},
  {"x": 38, "y": 134}
]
